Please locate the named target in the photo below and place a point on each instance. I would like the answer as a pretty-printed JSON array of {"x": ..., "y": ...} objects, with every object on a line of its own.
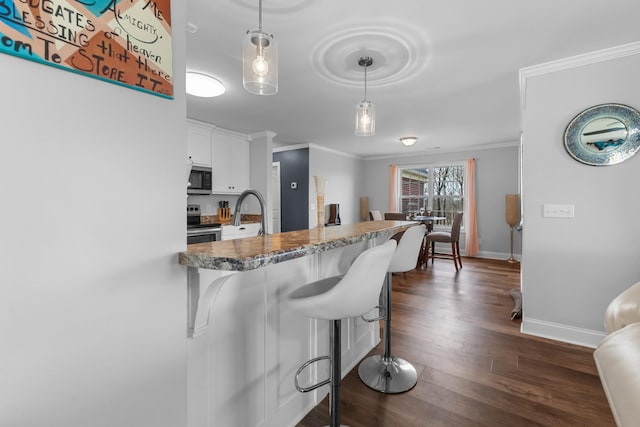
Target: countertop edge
[{"x": 206, "y": 261}]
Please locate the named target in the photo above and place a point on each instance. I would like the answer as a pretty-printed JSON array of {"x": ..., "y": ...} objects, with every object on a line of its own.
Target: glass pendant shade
[
  {"x": 260, "y": 63},
  {"x": 365, "y": 110},
  {"x": 365, "y": 118}
]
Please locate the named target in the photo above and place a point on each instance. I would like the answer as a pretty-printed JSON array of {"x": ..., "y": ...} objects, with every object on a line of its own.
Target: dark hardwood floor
[{"x": 474, "y": 366}]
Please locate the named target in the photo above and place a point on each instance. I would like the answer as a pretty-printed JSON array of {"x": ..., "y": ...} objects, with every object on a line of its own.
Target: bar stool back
[
  {"x": 387, "y": 373},
  {"x": 340, "y": 297}
]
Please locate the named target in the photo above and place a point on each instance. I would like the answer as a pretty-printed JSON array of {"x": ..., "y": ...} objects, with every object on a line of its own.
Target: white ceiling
[{"x": 446, "y": 72}]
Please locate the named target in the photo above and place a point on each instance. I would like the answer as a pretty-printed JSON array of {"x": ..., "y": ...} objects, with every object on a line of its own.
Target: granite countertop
[{"x": 255, "y": 252}]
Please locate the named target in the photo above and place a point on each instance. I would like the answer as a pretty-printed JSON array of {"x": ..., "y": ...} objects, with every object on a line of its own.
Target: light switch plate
[{"x": 558, "y": 211}]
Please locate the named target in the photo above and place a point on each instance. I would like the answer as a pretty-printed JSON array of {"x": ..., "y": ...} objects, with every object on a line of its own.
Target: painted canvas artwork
[{"x": 126, "y": 42}]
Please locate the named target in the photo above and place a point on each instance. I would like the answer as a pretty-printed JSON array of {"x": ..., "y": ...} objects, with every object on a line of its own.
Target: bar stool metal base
[{"x": 388, "y": 375}]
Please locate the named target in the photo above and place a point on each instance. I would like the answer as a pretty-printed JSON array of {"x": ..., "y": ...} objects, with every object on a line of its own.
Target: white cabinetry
[
  {"x": 230, "y": 232},
  {"x": 199, "y": 142},
  {"x": 230, "y": 162}
]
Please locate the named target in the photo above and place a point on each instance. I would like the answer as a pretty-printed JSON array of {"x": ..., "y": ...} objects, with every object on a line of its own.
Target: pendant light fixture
[
  {"x": 365, "y": 110},
  {"x": 260, "y": 60}
]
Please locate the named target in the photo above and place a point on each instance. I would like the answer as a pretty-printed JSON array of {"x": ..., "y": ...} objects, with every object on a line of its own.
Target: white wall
[
  {"x": 572, "y": 268},
  {"x": 344, "y": 177},
  {"x": 496, "y": 175},
  {"x": 92, "y": 299},
  {"x": 261, "y": 150}
]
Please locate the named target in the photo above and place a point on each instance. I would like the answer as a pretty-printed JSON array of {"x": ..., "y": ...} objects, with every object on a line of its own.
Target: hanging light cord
[
  {"x": 260, "y": 15},
  {"x": 365, "y": 80}
]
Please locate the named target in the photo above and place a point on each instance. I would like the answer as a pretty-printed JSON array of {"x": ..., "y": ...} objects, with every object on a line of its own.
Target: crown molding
[
  {"x": 437, "y": 151},
  {"x": 589, "y": 58},
  {"x": 316, "y": 147}
]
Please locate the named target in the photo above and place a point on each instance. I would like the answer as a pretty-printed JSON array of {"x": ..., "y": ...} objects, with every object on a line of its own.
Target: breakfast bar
[{"x": 245, "y": 343}]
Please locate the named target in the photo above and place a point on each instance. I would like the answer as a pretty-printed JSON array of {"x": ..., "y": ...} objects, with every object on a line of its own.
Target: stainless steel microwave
[{"x": 199, "y": 180}]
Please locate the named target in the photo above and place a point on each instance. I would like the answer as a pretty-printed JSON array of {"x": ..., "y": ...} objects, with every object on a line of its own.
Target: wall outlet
[{"x": 558, "y": 211}]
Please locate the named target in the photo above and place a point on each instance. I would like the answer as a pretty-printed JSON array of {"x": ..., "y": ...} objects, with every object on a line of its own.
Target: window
[{"x": 438, "y": 189}]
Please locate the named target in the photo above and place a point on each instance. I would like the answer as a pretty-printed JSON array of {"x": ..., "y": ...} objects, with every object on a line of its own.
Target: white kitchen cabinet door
[
  {"x": 199, "y": 143},
  {"x": 230, "y": 162},
  {"x": 231, "y": 232}
]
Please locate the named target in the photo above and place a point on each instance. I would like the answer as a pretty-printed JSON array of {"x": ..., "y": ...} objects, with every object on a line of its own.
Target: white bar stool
[
  {"x": 387, "y": 373},
  {"x": 341, "y": 297}
]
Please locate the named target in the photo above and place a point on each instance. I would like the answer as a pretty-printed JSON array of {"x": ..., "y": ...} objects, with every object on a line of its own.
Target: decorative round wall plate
[{"x": 603, "y": 135}]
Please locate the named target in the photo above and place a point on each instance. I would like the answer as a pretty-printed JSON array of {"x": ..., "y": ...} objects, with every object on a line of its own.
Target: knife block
[{"x": 224, "y": 214}]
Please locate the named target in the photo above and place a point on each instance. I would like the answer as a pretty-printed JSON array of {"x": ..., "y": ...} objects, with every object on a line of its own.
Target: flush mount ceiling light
[
  {"x": 260, "y": 60},
  {"x": 203, "y": 85},
  {"x": 365, "y": 110},
  {"x": 408, "y": 140}
]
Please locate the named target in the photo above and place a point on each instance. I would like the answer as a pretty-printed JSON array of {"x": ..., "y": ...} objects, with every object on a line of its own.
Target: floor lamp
[{"x": 512, "y": 216}]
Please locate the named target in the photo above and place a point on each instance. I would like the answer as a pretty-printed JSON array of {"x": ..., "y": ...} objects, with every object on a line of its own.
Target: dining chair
[
  {"x": 452, "y": 237},
  {"x": 375, "y": 215},
  {"x": 395, "y": 216}
]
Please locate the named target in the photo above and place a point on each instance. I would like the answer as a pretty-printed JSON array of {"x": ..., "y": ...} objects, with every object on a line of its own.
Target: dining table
[{"x": 427, "y": 220}]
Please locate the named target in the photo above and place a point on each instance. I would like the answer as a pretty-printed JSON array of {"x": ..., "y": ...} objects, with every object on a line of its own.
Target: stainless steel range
[{"x": 199, "y": 233}]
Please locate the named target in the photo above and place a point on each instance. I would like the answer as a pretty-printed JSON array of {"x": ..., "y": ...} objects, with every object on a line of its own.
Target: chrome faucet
[{"x": 236, "y": 214}]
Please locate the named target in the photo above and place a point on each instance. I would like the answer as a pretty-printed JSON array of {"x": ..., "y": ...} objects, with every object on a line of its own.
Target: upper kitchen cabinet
[
  {"x": 231, "y": 162},
  {"x": 199, "y": 142}
]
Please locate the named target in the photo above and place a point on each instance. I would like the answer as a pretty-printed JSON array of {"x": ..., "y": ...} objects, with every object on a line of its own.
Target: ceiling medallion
[{"x": 399, "y": 54}]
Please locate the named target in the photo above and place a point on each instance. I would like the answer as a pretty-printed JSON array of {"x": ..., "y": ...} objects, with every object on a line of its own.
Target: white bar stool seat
[
  {"x": 341, "y": 297},
  {"x": 387, "y": 373}
]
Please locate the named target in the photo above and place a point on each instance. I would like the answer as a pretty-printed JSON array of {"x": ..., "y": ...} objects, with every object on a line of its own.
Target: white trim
[
  {"x": 334, "y": 151},
  {"x": 317, "y": 147},
  {"x": 433, "y": 151},
  {"x": 224, "y": 131},
  {"x": 560, "y": 332},
  {"x": 280, "y": 148},
  {"x": 574, "y": 62},
  {"x": 266, "y": 134},
  {"x": 495, "y": 255},
  {"x": 434, "y": 164},
  {"x": 290, "y": 147},
  {"x": 201, "y": 123}
]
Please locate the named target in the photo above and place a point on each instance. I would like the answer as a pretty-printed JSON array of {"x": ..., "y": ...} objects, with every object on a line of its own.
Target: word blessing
[{"x": 127, "y": 42}]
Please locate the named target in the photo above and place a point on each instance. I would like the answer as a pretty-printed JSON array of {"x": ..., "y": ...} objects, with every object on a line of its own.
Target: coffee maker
[{"x": 334, "y": 214}]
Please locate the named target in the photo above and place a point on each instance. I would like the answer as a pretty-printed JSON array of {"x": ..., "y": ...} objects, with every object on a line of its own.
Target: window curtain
[
  {"x": 393, "y": 188},
  {"x": 470, "y": 223}
]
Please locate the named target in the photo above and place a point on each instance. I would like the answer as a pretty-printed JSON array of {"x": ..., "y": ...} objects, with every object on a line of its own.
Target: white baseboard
[
  {"x": 496, "y": 255},
  {"x": 446, "y": 249},
  {"x": 560, "y": 332}
]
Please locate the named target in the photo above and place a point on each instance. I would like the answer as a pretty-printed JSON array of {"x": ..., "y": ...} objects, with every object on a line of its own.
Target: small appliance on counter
[
  {"x": 198, "y": 232},
  {"x": 334, "y": 214}
]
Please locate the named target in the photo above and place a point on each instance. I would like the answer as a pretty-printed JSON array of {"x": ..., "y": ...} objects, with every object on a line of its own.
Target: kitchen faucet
[{"x": 236, "y": 214}]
